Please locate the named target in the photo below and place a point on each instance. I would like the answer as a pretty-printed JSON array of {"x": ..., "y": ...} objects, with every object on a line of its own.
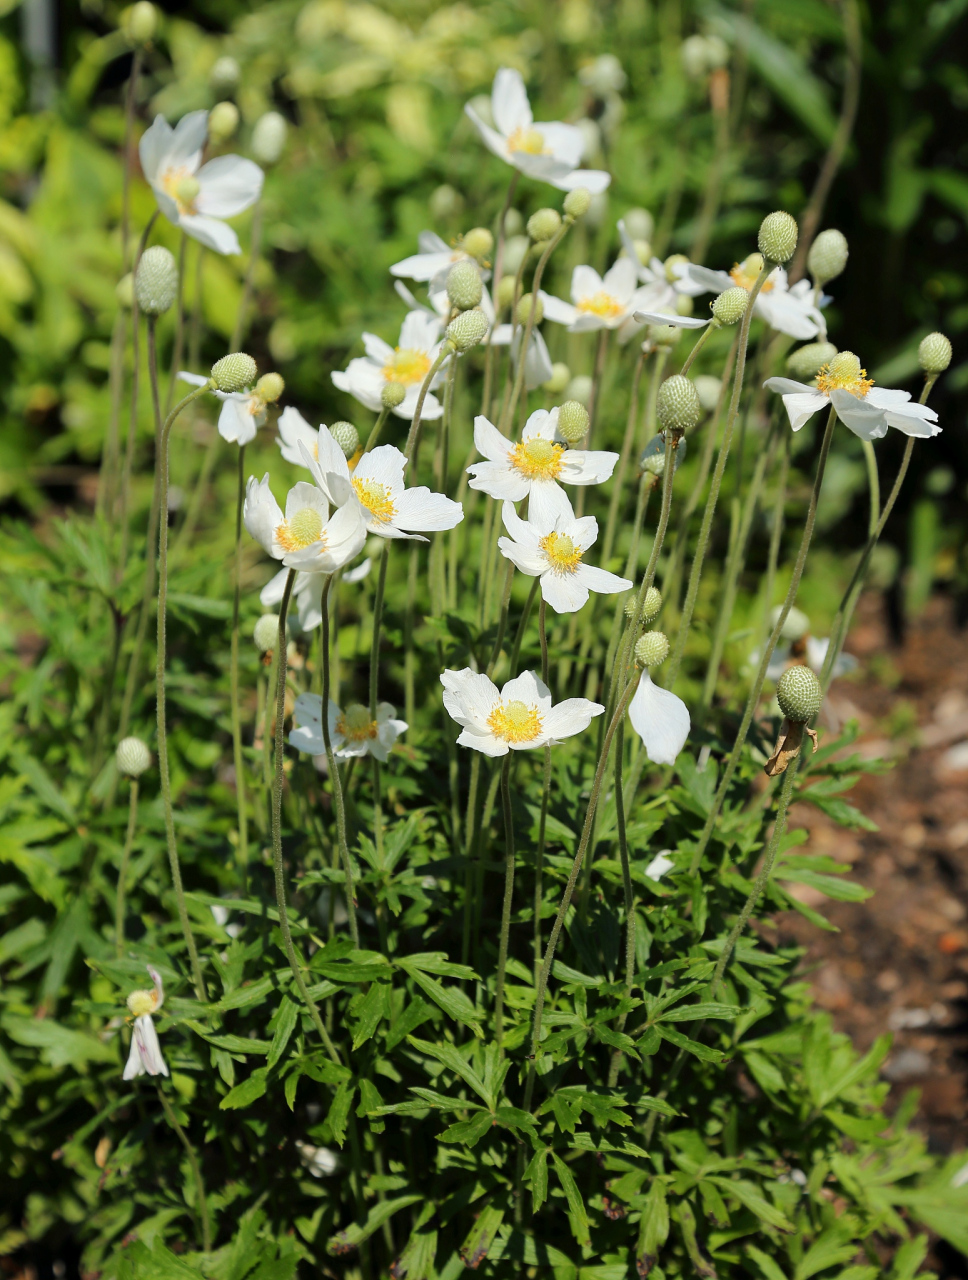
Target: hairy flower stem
[
  {"x": 470, "y": 842},
  {"x": 413, "y": 436},
  {"x": 545, "y": 796},
  {"x": 692, "y": 591},
  {"x": 522, "y": 627},
  {"x": 874, "y": 487},
  {"x": 123, "y": 869},
  {"x": 163, "y": 767},
  {"x": 202, "y": 1205},
  {"x": 277, "y": 784},
  {"x": 618, "y": 485},
  {"x": 334, "y": 777},
  {"x": 698, "y": 346},
  {"x": 629, "y": 896},
  {"x": 409, "y": 656},
  {"x": 545, "y": 971},
  {"x": 502, "y": 954},
  {"x": 502, "y": 625},
  {"x": 498, "y": 271},
  {"x": 373, "y": 438},
  {"x": 178, "y": 346},
  {"x": 732, "y": 760},
  {"x": 776, "y": 534},
  {"x": 237, "y": 757}
]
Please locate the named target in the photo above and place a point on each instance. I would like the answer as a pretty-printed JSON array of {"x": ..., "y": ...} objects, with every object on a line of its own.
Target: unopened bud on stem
[
  {"x": 156, "y": 280},
  {"x": 464, "y": 285},
  {"x": 934, "y": 353},
  {"x": 234, "y": 372},
  {"x": 799, "y": 694},
  {"x": 730, "y": 306},
  {"x": 468, "y": 329},
  {"x": 132, "y": 757},
  {"x": 577, "y": 202},
  {"x": 828, "y": 256},
  {"x": 572, "y": 421},
  {"x": 346, "y": 436},
  {"x": 270, "y": 387},
  {"x": 478, "y": 243},
  {"x": 393, "y": 394},
  {"x": 651, "y": 649},
  {"x": 544, "y": 224},
  {"x": 677, "y": 405},
  {"x": 777, "y": 240},
  {"x": 265, "y": 633}
]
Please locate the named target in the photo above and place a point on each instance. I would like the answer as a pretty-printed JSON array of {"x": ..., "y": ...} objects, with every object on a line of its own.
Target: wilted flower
[
  {"x": 145, "y": 1054},
  {"x": 519, "y": 718},
  {"x": 351, "y": 732}
]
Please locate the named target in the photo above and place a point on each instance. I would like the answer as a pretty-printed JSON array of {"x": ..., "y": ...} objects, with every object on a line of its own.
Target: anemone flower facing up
[
  {"x": 553, "y": 551},
  {"x": 305, "y": 537},
  {"x": 548, "y": 152},
  {"x": 351, "y": 732},
  {"x": 519, "y": 718},
  {"x": 408, "y": 363},
  {"x": 145, "y": 1057},
  {"x": 192, "y": 195},
  {"x": 533, "y": 468},
  {"x": 866, "y": 410},
  {"x": 601, "y": 302}
]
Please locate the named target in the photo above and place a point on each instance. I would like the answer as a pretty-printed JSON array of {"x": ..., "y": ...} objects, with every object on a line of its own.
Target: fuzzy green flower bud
[
  {"x": 393, "y": 394},
  {"x": 805, "y": 363},
  {"x": 674, "y": 260},
  {"x": 560, "y": 377},
  {"x": 577, "y": 202},
  {"x": 730, "y": 306},
  {"x": 934, "y": 353},
  {"x": 464, "y": 285},
  {"x": 777, "y": 239},
  {"x": 478, "y": 243},
  {"x": 132, "y": 757},
  {"x": 708, "y": 389},
  {"x": 265, "y": 633},
  {"x": 651, "y": 649},
  {"x": 140, "y": 22},
  {"x": 515, "y": 251},
  {"x": 156, "y": 280},
  {"x": 234, "y": 372},
  {"x": 580, "y": 388},
  {"x": 544, "y": 224},
  {"x": 524, "y": 309},
  {"x": 467, "y": 329},
  {"x": 225, "y": 74},
  {"x": 346, "y": 436},
  {"x": 124, "y": 291},
  {"x": 269, "y": 137},
  {"x": 270, "y": 387},
  {"x": 505, "y": 291},
  {"x": 664, "y": 335},
  {"x": 677, "y": 405},
  {"x": 828, "y": 255},
  {"x": 650, "y": 607},
  {"x": 639, "y": 223},
  {"x": 223, "y": 120},
  {"x": 572, "y": 421},
  {"x": 799, "y": 694}
]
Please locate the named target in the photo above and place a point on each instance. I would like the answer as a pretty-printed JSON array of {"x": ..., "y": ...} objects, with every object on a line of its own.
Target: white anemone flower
[
  {"x": 408, "y": 363},
  {"x": 866, "y": 410},
  {"x": 532, "y": 468},
  {"x": 145, "y": 1057},
  {"x": 305, "y": 537},
  {"x": 553, "y": 551},
  {"x": 789, "y": 309},
  {"x": 384, "y": 505},
  {"x": 659, "y": 865},
  {"x": 519, "y": 718},
  {"x": 192, "y": 195},
  {"x": 549, "y": 152},
  {"x": 601, "y": 302},
  {"x": 431, "y": 265},
  {"x": 242, "y": 413},
  {"x": 660, "y": 719},
  {"x": 352, "y": 732}
]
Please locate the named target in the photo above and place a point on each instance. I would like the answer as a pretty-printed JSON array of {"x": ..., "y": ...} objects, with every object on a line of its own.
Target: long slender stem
[
  {"x": 522, "y": 626},
  {"x": 498, "y": 269},
  {"x": 238, "y": 759},
  {"x": 374, "y": 436},
  {"x": 698, "y": 346},
  {"x": 446, "y": 349},
  {"x": 178, "y": 346},
  {"x": 756, "y": 688},
  {"x": 618, "y": 484},
  {"x": 123, "y": 869},
  {"x": 470, "y": 842},
  {"x": 195, "y": 1167},
  {"x": 502, "y": 954},
  {"x": 545, "y": 797},
  {"x": 776, "y": 532},
  {"x": 277, "y": 863},
  {"x": 334, "y": 777},
  {"x": 163, "y": 767},
  {"x": 627, "y": 892},
  {"x": 874, "y": 487}
]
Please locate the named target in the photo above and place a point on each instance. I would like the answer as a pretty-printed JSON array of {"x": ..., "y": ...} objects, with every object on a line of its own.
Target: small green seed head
[
  {"x": 560, "y": 377},
  {"x": 478, "y": 243},
  {"x": 270, "y": 387},
  {"x": 223, "y": 120},
  {"x": 140, "y": 22},
  {"x": 393, "y": 394},
  {"x": 525, "y": 303},
  {"x": 544, "y": 224},
  {"x": 678, "y": 406},
  {"x": 464, "y": 285},
  {"x": 346, "y": 436},
  {"x": 664, "y": 335},
  {"x": 468, "y": 329},
  {"x": 777, "y": 239},
  {"x": 806, "y": 362},
  {"x": 265, "y": 633},
  {"x": 651, "y": 649},
  {"x": 234, "y": 372},
  {"x": 799, "y": 694},
  {"x": 730, "y": 306},
  {"x": 934, "y": 353},
  {"x": 156, "y": 280},
  {"x": 572, "y": 421},
  {"x": 828, "y": 255},
  {"x": 505, "y": 291},
  {"x": 269, "y": 137},
  {"x": 845, "y": 366},
  {"x": 650, "y": 606},
  {"x": 577, "y": 202},
  {"x": 132, "y": 757}
]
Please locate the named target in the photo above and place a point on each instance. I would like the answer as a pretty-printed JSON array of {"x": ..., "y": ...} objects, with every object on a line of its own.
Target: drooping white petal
[
  {"x": 211, "y": 232},
  {"x": 681, "y": 322},
  {"x": 261, "y": 514},
  {"x": 802, "y": 406},
  {"x": 235, "y": 423},
  {"x": 587, "y": 466},
  {"x": 789, "y": 387},
  {"x": 547, "y": 503},
  {"x": 709, "y": 281},
  {"x": 229, "y": 185},
  {"x": 294, "y": 428},
  {"x": 865, "y": 420},
  {"x": 660, "y": 719},
  {"x": 194, "y": 379},
  {"x": 595, "y": 181},
  {"x": 145, "y": 1055}
]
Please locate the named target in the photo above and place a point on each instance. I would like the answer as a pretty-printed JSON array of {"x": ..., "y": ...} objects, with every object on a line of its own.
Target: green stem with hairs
[
  {"x": 627, "y": 891},
  {"x": 334, "y": 777},
  {"x": 237, "y": 756},
  {"x": 624, "y": 458},
  {"x": 123, "y": 869},
  {"x": 446, "y": 349},
  {"x": 498, "y": 270},
  {"x": 545, "y": 795},
  {"x": 698, "y": 346},
  {"x": 374, "y": 436},
  {"x": 874, "y": 487},
  {"x": 195, "y": 1167},
  {"x": 502, "y": 954}
]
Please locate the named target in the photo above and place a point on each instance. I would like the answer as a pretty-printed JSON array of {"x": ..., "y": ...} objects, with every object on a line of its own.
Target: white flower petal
[
  {"x": 803, "y": 405},
  {"x": 587, "y": 466},
  {"x": 865, "y": 420},
  {"x": 572, "y": 716},
  {"x": 565, "y": 592},
  {"x": 469, "y": 698},
  {"x": 486, "y": 743},
  {"x": 185, "y": 143},
  {"x": 235, "y": 423},
  {"x": 547, "y": 503},
  {"x": 601, "y": 580},
  {"x": 660, "y": 719},
  {"x": 557, "y": 310},
  {"x": 261, "y": 514},
  {"x": 499, "y": 480},
  {"x": 595, "y": 181},
  {"x": 529, "y": 688},
  {"x": 488, "y": 441},
  {"x": 585, "y": 283},
  {"x": 229, "y": 185},
  {"x": 194, "y": 379},
  {"x": 420, "y": 508},
  {"x": 211, "y": 232},
  {"x": 509, "y": 101},
  {"x": 681, "y": 322}
]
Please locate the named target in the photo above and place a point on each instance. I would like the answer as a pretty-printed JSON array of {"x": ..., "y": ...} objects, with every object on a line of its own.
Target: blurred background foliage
[{"x": 379, "y": 149}]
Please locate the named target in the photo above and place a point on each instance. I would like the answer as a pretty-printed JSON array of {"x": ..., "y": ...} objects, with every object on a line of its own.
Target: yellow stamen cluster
[
  {"x": 183, "y": 187},
  {"x": 844, "y": 373},
  {"x": 142, "y": 1002},
  {"x": 515, "y": 721},
  {"x": 530, "y": 141},
  {"x": 302, "y": 530},
  {"x": 355, "y": 724},
  {"x": 562, "y": 553},
  {"x": 406, "y": 366},
  {"x": 600, "y": 304},
  {"x": 746, "y": 273},
  {"x": 537, "y": 458},
  {"x": 376, "y": 498}
]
